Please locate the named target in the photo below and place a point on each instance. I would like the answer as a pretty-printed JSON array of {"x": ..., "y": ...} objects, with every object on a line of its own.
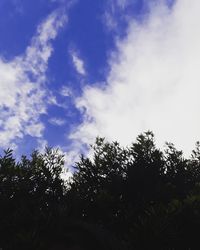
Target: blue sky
[{"x": 74, "y": 70}]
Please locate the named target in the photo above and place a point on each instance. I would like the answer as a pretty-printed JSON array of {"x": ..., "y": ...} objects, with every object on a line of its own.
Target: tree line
[{"x": 138, "y": 197}]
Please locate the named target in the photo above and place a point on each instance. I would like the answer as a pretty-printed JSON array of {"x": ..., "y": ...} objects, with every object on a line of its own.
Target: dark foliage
[{"x": 123, "y": 198}]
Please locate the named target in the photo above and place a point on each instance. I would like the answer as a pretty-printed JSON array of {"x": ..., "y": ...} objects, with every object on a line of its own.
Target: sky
[{"x": 72, "y": 70}]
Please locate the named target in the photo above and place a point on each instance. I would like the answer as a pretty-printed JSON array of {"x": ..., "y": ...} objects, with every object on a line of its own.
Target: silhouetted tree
[
  {"x": 137, "y": 197},
  {"x": 30, "y": 191},
  {"x": 125, "y": 189}
]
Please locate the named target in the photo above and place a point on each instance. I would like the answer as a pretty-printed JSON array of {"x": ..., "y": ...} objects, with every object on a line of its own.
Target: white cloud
[
  {"x": 42, "y": 145},
  {"x": 78, "y": 63},
  {"x": 115, "y": 12},
  {"x": 65, "y": 91},
  {"x": 154, "y": 82},
  {"x": 73, "y": 152},
  {"x": 57, "y": 121},
  {"x": 22, "y": 89},
  {"x": 122, "y": 3}
]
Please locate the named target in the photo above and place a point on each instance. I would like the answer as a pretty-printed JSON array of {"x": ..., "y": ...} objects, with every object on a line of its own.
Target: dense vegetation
[{"x": 123, "y": 198}]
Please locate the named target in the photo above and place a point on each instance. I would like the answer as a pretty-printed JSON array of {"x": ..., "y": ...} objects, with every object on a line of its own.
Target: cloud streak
[
  {"x": 153, "y": 82},
  {"x": 57, "y": 121},
  {"x": 22, "y": 85},
  {"x": 78, "y": 63}
]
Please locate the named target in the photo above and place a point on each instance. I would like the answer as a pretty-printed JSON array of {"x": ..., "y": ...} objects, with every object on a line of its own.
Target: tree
[
  {"x": 30, "y": 191},
  {"x": 144, "y": 197},
  {"x": 132, "y": 189}
]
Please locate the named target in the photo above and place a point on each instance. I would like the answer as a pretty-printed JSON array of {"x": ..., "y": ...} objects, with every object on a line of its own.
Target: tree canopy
[{"x": 138, "y": 197}]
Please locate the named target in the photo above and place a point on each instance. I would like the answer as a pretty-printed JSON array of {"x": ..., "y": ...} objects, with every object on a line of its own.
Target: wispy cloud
[
  {"x": 153, "y": 82},
  {"x": 57, "y": 121},
  {"x": 78, "y": 63},
  {"x": 65, "y": 91},
  {"x": 22, "y": 85},
  {"x": 115, "y": 12}
]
